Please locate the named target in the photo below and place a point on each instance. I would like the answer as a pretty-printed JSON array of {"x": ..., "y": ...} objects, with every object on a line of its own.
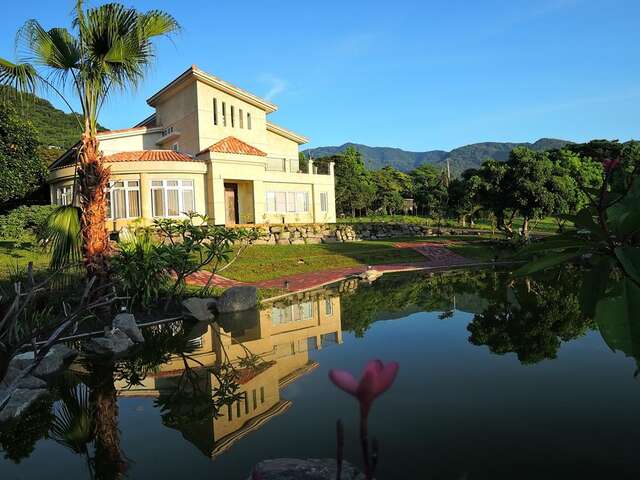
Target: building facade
[{"x": 208, "y": 148}]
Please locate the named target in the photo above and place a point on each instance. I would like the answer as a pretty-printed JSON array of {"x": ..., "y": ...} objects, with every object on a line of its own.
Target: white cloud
[{"x": 276, "y": 85}]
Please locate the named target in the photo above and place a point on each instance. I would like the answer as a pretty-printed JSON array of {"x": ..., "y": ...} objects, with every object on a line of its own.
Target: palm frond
[
  {"x": 21, "y": 76},
  {"x": 63, "y": 237},
  {"x": 156, "y": 23},
  {"x": 55, "y": 48}
]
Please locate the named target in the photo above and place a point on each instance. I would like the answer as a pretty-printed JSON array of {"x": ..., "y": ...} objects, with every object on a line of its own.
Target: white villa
[{"x": 208, "y": 148}]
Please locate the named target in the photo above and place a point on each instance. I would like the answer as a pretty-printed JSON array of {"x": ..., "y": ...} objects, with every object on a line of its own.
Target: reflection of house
[
  {"x": 281, "y": 335},
  {"x": 209, "y": 148}
]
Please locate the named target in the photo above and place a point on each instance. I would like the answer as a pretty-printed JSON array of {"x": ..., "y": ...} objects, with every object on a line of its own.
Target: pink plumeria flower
[
  {"x": 610, "y": 165},
  {"x": 376, "y": 379}
]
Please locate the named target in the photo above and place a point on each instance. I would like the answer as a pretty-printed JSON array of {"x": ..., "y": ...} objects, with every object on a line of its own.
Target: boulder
[
  {"x": 53, "y": 362},
  {"x": 115, "y": 342},
  {"x": 237, "y": 299},
  {"x": 126, "y": 322},
  {"x": 370, "y": 275},
  {"x": 19, "y": 402},
  {"x": 299, "y": 469},
  {"x": 200, "y": 308}
]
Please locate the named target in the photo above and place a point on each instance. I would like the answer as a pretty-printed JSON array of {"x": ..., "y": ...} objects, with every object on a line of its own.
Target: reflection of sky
[{"x": 455, "y": 408}]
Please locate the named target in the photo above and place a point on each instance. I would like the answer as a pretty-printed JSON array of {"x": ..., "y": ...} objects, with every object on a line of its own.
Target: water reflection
[
  {"x": 217, "y": 384},
  {"x": 267, "y": 350}
]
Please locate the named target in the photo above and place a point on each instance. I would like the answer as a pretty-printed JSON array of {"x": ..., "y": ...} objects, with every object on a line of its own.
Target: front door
[{"x": 231, "y": 203}]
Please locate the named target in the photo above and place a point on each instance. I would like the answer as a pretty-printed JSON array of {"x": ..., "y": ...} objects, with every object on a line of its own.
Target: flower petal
[
  {"x": 344, "y": 380},
  {"x": 387, "y": 377},
  {"x": 376, "y": 366}
]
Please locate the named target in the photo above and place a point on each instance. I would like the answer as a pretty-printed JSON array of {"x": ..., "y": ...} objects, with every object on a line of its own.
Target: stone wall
[{"x": 295, "y": 234}]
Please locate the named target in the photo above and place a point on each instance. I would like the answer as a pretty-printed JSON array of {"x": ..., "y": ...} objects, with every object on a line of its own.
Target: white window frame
[
  {"x": 181, "y": 187},
  {"x": 324, "y": 202},
  {"x": 175, "y": 147},
  {"x": 64, "y": 195},
  {"x": 129, "y": 188},
  {"x": 295, "y": 202}
]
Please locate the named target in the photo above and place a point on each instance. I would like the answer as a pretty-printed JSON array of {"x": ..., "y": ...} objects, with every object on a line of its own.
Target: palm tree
[{"x": 108, "y": 49}]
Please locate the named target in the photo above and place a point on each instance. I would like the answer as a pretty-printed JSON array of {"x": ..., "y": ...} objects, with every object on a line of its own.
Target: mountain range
[{"x": 460, "y": 159}]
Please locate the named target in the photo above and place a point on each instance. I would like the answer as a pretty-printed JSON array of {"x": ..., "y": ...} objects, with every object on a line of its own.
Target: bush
[{"x": 25, "y": 222}]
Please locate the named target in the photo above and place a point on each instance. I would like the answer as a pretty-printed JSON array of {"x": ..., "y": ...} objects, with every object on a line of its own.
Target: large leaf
[
  {"x": 618, "y": 318},
  {"x": 547, "y": 262},
  {"x": 63, "y": 236},
  {"x": 629, "y": 257},
  {"x": 594, "y": 284}
]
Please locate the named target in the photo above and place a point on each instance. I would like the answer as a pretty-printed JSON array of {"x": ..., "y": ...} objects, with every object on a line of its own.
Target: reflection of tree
[
  {"x": 19, "y": 436},
  {"x": 532, "y": 318},
  {"x": 395, "y": 293}
]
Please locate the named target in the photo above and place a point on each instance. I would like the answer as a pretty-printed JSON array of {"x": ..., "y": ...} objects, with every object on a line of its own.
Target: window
[
  {"x": 324, "y": 202},
  {"x": 249, "y": 120},
  {"x": 261, "y": 394},
  {"x": 233, "y": 116},
  {"x": 175, "y": 147},
  {"x": 224, "y": 114},
  {"x": 171, "y": 198},
  {"x": 64, "y": 195},
  {"x": 283, "y": 202},
  {"x": 328, "y": 307},
  {"x": 292, "y": 313},
  {"x": 241, "y": 118},
  {"x": 167, "y": 131},
  {"x": 123, "y": 199},
  {"x": 215, "y": 111}
]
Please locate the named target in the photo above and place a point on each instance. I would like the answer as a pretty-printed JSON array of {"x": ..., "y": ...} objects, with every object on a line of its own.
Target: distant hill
[
  {"x": 462, "y": 158},
  {"x": 55, "y": 128}
]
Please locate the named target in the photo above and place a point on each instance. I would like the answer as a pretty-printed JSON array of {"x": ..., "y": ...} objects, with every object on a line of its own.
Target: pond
[{"x": 499, "y": 379}]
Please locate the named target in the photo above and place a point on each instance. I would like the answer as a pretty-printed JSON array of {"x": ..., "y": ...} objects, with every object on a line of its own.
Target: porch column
[
  {"x": 310, "y": 171},
  {"x": 218, "y": 201},
  {"x": 258, "y": 201},
  {"x": 145, "y": 199}
]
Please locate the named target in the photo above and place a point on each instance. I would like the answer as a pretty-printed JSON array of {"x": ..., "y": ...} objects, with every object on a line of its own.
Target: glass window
[
  {"x": 249, "y": 120},
  {"x": 215, "y": 111},
  {"x": 302, "y": 202},
  {"x": 328, "y": 307},
  {"x": 241, "y": 118},
  {"x": 224, "y": 114},
  {"x": 291, "y": 202},
  {"x": 271, "y": 202},
  {"x": 324, "y": 201},
  {"x": 172, "y": 198},
  {"x": 283, "y": 202},
  {"x": 233, "y": 116},
  {"x": 123, "y": 199},
  {"x": 64, "y": 195}
]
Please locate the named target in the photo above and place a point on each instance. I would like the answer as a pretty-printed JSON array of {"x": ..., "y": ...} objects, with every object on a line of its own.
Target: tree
[
  {"x": 22, "y": 170},
  {"x": 353, "y": 184},
  {"x": 463, "y": 196},
  {"x": 391, "y": 188},
  {"x": 108, "y": 50},
  {"x": 430, "y": 190}
]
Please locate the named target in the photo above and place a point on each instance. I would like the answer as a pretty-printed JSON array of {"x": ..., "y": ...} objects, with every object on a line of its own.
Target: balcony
[
  {"x": 168, "y": 134},
  {"x": 294, "y": 165}
]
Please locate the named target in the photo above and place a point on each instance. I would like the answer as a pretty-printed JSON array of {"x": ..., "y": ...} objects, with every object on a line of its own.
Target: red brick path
[{"x": 436, "y": 255}]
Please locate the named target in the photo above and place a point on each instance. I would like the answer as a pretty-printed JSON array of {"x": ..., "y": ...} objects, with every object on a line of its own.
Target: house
[{"x": 208, "y": 148}]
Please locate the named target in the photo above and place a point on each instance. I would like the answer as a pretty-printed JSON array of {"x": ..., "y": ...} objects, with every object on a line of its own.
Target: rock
[
  {"x": 283, "y": 241},
  {"x": 298, "y": 469},
  {"x": 284, "y": 236},
  {"x": 313, "y": 240},
  {"x": 20, "y": 401},
  {"x": 53, "y": 362},
  {"x": 115, "y": 342},
  {"x": 237, "y": 299},
  {"x": 200, "y": 308},
  {"x": 297, "y": 241},
  {"x": 370, "y": 275},
  {"x": 126, "y": 322}
]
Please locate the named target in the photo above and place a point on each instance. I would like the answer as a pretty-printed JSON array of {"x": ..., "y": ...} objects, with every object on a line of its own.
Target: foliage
[
  {"x": 141, "y": 267},
  {"x": 22, "y": 169},
  {"x": 430, "y": 190},
  {"x": 354, "y": 187},
  {"x": 390, "y": 188},
  {"x": 25, "y": 223},
  {"x": 19, "y": 436},
  {"x": 62, "y": 235}
]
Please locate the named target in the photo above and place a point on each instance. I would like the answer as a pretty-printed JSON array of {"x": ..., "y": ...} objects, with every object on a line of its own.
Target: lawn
[
  {"x": 13, "y": 259},
  {"x": 264, "y": 262}
]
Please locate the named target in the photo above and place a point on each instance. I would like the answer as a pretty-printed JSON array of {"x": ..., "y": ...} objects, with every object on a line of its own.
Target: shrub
[{"x": 25, "y": 223}]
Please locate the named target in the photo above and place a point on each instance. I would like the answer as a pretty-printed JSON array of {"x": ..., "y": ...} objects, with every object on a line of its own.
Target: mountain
[
  {"x": 460, "y": 159},
  {"x": 55, "y": 128}
]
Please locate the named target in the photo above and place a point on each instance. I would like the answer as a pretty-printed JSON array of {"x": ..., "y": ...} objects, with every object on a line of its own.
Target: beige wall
[
  {"x": 279, "y": 146},
  {"x": 180, "y": 112},
  {"x": 133, "y": 141}
]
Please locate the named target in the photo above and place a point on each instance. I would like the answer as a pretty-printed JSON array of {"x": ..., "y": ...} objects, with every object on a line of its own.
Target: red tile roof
[
  {"x": 122, "y": 130},
  {"x": 149, "y": 155},
  {"x": 233, "y": 145}
]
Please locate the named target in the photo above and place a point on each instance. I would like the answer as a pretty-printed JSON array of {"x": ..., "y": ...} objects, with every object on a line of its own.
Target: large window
[
  {"x": 123, "y": 199},
  {"x": 171, "y": 198},
  {"x": 64, "y": 195},
  {"x": 241, "y": 118},
  {"x": 293, "y": 313},
  {"x": 224, "y": 114},
  {"x": 215, "y": 111},
  {"x": 249, "y": 120},
  {"x": 291, "y": 202},
  {"x": 233, "y": 116},
  {"x": 324, "y": 202}
]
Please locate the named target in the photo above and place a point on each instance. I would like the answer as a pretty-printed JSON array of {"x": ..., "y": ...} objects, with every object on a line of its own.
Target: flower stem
[{"x": 364, "y": 443}]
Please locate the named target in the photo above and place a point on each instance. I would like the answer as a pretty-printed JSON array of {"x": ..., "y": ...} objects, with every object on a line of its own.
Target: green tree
[
  {"x": 430, "y": 190},
  {"x": 353, "y": 184},
  {"x": 108, "y": 50},
  {"x": 22, "y": 170},
  {"x": 391, "y": 188},
  {"x": 463, "y": 196}
]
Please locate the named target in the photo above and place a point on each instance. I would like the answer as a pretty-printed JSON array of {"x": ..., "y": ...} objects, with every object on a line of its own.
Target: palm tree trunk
[
  {"x": 109, "y": 461},
  {"x": 93, "y": 181}
]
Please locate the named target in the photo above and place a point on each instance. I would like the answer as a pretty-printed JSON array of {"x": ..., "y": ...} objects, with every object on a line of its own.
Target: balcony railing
[{"x": 294, "y": 165}]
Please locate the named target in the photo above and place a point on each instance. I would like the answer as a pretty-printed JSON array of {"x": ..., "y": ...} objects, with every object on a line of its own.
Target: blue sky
[{"x": 416, "y": 75}]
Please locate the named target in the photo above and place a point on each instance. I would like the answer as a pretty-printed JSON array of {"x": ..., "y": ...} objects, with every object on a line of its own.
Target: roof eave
[{"x": 299, "y": 139}]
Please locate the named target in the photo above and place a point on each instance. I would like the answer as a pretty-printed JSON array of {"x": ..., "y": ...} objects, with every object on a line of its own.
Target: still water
[{"x": 499, "y": 379}]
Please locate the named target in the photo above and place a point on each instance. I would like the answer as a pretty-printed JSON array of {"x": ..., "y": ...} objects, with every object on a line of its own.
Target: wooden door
[{"x": 231, "y": 203}]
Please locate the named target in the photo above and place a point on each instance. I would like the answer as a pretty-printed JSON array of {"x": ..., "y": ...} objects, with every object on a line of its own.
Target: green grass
[
  {"x": 547, "y": 224},
  {"x": 265, "y": 262},
  {"x": 13, "y": 258}
]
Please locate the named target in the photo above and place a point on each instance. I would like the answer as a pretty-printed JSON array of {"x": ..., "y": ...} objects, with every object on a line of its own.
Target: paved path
[{"x": 436, "y": 255}]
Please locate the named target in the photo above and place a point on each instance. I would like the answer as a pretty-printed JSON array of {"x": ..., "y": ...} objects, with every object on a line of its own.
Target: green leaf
[
  {"x": 547, "y": 262},
  {"x": 629, "y": 257},
  {"x": 617, "y": 318},
  {"x": 554, "y": 243},
  {"x": 594, "y": 284}
]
